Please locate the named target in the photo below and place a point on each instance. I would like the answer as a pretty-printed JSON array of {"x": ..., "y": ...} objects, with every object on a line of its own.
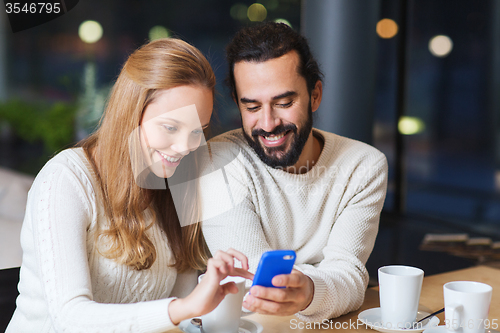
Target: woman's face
[{"x": 172, "y": 126}]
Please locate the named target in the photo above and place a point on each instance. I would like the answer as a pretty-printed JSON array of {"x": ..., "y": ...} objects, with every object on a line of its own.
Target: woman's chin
[{"x": 163, "y": 173}]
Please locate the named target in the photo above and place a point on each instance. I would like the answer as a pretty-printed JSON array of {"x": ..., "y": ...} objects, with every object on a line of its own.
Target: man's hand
[{"x": 297, "y": 295}]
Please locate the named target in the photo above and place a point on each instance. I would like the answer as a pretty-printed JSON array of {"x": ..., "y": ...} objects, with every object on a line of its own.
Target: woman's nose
[{"x": 185, "y": 144}]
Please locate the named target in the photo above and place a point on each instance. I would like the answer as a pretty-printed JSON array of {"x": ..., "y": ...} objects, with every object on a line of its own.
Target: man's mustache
[{"x": 277, "y": 131}]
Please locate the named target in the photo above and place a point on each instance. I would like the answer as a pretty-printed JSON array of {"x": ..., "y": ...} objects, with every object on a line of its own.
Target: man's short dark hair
[{"x": 269, "y": 41}]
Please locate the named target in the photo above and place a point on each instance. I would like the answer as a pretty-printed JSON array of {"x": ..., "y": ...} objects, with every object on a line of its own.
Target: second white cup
[
  {"x": 225, "y": 318},
  {"x": 399, "y": 291},
  {"x": 467, "y": 304}
]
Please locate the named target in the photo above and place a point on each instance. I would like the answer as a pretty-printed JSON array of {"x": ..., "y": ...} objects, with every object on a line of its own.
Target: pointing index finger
[
  {"x": 243, "y": 273},
  {"x": 240, "y": 256}
]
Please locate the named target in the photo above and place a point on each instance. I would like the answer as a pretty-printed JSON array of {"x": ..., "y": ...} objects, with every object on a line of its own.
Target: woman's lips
[{"x": 169, "y": 161}]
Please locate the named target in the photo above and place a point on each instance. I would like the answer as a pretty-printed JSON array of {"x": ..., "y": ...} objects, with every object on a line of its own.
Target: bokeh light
[
  {"x": 280, "y": 20},
  {"x": 387, "y": 28},
  {"x": 257, "y": 12},
  {"x": 158, "y": 32},
  {"x": 271, "y": 4},
  {"x": 90, "y": 31},
  {"x": 410, "y": 125},
  {"x": 440, "y": 46},
  {"x": 238, "y": 11}
]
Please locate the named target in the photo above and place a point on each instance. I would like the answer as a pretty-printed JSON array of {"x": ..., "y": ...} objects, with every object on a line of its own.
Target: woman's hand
[{"x": 209, "y": 293}]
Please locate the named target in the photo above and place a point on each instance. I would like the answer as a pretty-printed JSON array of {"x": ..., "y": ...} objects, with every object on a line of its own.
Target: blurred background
[{"x": 418, "y": 79}]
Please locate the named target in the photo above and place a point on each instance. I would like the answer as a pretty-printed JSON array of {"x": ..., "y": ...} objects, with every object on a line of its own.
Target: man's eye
[
  {"x": 254, "y": 108},
  {"x": 285, "y": 105}
]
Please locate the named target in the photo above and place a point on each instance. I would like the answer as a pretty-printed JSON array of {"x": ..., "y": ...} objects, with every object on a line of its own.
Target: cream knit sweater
[
  {"x": 328, "y": 215},
  {"x": 65, "y": 284}
]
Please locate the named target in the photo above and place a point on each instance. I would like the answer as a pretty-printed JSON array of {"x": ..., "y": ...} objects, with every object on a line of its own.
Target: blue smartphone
[{"x": 273, "y": 263}]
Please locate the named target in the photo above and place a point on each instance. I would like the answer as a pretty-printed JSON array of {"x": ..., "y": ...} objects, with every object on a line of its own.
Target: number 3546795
[
  {"x": 33, "y": 8},
  {"x": 472, "y": 324}
]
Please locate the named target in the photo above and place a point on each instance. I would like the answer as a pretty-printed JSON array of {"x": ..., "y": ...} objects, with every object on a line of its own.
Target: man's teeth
[
  {"x": 274, "y": 138},
  {"x": 168, "y": 158}
]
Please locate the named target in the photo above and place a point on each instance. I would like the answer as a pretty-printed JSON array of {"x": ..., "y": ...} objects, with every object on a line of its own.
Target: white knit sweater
[
  {"x": 328, "y": 215},
  {"x": 65, "y": 284}
]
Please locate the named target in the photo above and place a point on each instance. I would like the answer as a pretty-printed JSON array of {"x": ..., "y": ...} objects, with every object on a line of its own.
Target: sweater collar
[{"x": 318, "y": 169}]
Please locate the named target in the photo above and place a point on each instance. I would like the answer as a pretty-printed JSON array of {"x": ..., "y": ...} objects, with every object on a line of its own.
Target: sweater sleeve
[
  {"x": 229, "y": 215},
  {"x": 61, "y": 210},
  {"x": 340, "y": 279}
]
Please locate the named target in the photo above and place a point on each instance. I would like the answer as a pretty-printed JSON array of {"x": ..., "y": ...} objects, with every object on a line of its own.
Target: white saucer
[
  {"x": 372, "y": 319},
  {"x": 246, "y": 326},
  {"x": 443, "y": 329}
]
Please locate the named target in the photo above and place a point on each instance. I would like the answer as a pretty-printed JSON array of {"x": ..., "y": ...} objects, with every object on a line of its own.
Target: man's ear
[
  {"x": 235, "y": 99},
  {"x": 316, "y": 95}
]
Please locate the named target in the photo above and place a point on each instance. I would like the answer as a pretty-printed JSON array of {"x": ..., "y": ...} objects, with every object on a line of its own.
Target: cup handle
[
  {"x": 245, "y": 312},
  {"x": 455, "y": 308}
]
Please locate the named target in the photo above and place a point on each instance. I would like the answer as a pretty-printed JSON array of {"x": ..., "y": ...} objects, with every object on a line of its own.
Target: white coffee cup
[
  {"x": 466, "y": 304},
  {"x": 225, "y": 318},
  {"x": 399, "y": 291}
]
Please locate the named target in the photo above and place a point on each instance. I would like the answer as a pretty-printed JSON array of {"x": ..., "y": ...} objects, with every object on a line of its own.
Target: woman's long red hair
[{"x": 158, "y": 65}]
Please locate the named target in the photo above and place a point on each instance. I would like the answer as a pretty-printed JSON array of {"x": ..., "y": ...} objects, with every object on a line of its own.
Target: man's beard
[{"x": 296, "y": 146}]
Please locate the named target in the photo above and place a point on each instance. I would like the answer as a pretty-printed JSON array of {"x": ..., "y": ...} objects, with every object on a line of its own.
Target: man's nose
[{"x": 268, "y": 119}]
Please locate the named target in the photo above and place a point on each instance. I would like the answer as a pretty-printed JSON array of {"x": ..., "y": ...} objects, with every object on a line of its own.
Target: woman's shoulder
[
  {"x": 64, "y": 185},
  {"x": 71, "y": 157},
  {"x": 70, "y": 163}
]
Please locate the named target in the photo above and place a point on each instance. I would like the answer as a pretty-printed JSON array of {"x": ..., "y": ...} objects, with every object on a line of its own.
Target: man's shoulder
[
  {"x": 235, "y": 136},
  {"x": 230, "y": 145},
  {"x": 342, "y": 147}
]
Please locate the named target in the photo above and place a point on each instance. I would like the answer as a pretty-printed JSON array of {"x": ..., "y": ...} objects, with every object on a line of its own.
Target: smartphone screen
[{"x": 273, "y": 263}]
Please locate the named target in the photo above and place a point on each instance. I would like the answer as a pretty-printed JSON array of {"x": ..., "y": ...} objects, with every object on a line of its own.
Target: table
[{"x": 431, "y": 299}]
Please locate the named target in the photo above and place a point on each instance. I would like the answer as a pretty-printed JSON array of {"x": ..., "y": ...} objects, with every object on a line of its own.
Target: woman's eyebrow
[
  {"x": 171, "y": 119},
  {"x": 179, "y": 122}
]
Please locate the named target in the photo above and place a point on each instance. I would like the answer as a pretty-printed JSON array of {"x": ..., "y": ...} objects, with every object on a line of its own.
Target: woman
[{"x": 102, "y": 250}]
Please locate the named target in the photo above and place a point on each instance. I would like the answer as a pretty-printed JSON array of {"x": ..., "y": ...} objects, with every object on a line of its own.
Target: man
[{"x": 292, "y": 186}]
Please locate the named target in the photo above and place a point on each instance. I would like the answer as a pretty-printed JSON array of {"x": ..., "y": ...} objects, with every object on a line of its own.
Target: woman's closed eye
[
  {"x": 197, "y": 131},
  {"x": 170, "y": 128}
]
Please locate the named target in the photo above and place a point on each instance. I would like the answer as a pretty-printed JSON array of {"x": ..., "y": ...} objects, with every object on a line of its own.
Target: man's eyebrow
[
  {"x": 285, "y": 94},
  {"x": 245, "y": 100}
]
